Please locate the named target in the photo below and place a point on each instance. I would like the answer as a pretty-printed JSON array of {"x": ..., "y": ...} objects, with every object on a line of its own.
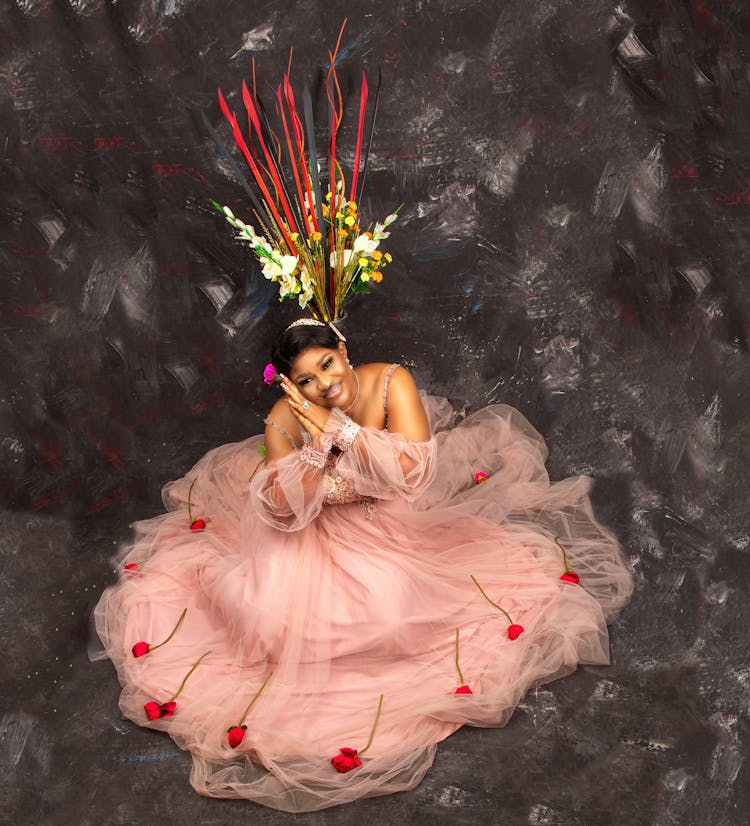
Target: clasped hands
[{"x": 313, "y": 417}]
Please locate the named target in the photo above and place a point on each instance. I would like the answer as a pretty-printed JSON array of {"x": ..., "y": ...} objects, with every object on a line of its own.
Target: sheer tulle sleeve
[
  {"x": 289, "y": 493},
  {"x": 379, "y": 463}
]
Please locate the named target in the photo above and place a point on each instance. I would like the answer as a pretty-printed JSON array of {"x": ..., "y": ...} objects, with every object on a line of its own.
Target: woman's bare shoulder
[{"x": 282, "y": 414}]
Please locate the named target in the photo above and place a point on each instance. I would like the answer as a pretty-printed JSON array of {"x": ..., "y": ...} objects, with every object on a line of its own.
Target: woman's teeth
[{"x": 334, "y": 391}]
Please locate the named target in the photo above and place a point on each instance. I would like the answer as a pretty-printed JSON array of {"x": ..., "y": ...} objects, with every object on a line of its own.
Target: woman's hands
[{"x": 313, "y": 417}]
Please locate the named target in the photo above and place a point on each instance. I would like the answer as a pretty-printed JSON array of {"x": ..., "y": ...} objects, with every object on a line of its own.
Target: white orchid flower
[
  {"x": 364, "y": 244},
  {"x": 281, "y": 268}
]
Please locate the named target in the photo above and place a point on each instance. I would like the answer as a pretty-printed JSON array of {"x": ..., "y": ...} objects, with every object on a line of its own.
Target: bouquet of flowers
[{"x": 309, "y": 241}]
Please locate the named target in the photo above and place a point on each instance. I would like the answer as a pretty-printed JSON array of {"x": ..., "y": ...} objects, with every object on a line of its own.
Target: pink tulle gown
[{"x": 345, "y": 578}]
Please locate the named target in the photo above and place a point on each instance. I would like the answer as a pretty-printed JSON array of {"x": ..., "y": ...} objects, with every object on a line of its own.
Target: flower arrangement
[{"x": 310, "y": 241}]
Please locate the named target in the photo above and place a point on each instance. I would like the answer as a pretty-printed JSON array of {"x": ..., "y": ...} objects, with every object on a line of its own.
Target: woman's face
[{"x": 324, "y": 377}]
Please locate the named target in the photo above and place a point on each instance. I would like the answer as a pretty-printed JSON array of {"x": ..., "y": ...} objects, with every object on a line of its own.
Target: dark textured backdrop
[{"x": 575, "y": 242}]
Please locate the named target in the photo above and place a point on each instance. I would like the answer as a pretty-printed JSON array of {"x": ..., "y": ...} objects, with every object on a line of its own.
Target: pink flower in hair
[{"x": 271, "y": 375}]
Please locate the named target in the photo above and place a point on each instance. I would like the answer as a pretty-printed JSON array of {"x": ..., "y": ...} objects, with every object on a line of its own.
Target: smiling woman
[{"x": 381, "y": 578}]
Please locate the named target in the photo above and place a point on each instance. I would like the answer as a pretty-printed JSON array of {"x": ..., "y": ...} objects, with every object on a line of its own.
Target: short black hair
[{"x": 293, "y": 341}]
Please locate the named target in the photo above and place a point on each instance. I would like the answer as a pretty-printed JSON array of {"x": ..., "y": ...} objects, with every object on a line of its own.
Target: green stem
[
  {"x": 250, "y": 704},
  {"x": 458, "y": 667},
  {"x": 565, "y": 556},
  {"x": 374, "y": 726},
  {"x": 190, "y": 513},
  {"x": 182, "y": 685},
  {"x": 256, "y": 470},
  {"x": 490, "y": 601},
  {"x": 174, "y": 631}
]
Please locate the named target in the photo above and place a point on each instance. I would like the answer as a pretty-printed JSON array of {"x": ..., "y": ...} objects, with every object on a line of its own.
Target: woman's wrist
[{"x": 340, "y": 431}]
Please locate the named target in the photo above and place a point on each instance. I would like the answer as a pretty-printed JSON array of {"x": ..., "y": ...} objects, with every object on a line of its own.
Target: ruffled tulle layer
[{"x": 357, "y": 604}]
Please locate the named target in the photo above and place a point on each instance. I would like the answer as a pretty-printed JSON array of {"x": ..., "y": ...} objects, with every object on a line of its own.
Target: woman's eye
[{"x": 327, "y": 364}]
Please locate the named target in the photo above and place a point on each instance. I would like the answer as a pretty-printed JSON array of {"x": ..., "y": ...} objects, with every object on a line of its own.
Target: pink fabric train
[{"x": 351, "y": 584}]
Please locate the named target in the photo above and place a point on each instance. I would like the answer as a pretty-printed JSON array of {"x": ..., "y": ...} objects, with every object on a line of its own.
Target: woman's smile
[{"x": 334, "y": 391}]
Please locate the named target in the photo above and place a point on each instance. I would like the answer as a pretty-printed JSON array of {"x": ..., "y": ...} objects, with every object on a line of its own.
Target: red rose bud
[
  {"x": 236, "y": 735},
  {"x": 515, "y": 631},
  {"x": 153, "y": 710},
  {"x": 197, "y": 525},
  {"x": 131, "y": 567},
  {"x": 346, "y": 761},
  {"x": 141, "y": 648},
  {"x": 168, "y": 709},
  {"x": 464, "y": 689},
  {"x": 570, "y": 576},
  {"x": 480, "y": 476}
]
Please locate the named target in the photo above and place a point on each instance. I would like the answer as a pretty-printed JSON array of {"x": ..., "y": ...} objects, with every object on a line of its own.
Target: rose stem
[
  {"x": 374, "y": 726},
  {"x": 490, "y": 601},
  {"x": 250, "y": 704},
  {"x": 182, "y": 685},
  {"x": 458, "y": 667},
  {"x": 174, "y": 630},
  {"x": 565, "y": 556},
  {"x": 190, "y": 513}
]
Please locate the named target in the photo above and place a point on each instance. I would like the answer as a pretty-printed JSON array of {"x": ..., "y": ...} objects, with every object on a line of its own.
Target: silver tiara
[{"x": 315, "y": 321}]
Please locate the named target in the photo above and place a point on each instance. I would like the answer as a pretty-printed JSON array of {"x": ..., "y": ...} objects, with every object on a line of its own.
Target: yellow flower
[
  {"x": 316, "y": 236},
  {"x": 388, "y": 257},
  {"x": 377, "y": 276},
  {"x": 363, "y": 262},
  {"x": 352, "y": 206},
  {"x": 294, "y": 236},
  {"x": 377, "y": 255},
  {"x": 349, "y": 220},
  {"x": 365, "y": 276}
]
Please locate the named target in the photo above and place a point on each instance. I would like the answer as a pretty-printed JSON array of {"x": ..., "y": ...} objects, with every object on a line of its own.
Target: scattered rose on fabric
[
  {"x": 140, "y": 649},
  {"x": 235, "y": 735},
  {"x": 571, "y": 576},
  {"x": 515, "y": 631},
  {"x": 463, "y": 689},
  {"x": 197, "y": 524},
  {"x": 346, "y": 761},
  {"x": 480, "y": 476},
  {"x": 154, "y": 711}
]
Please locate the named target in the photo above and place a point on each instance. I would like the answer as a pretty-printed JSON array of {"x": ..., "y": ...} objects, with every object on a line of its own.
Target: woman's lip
[{"x": 334, "y": 391}]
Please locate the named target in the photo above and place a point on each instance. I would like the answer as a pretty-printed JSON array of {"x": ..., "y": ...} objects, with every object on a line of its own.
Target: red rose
[
  {"x": 236, "y": 735},
  {"x": 153, "y": 710},
  {"x": 197, "y": 525},
  {"x": 515, "y": 631},
  {"x": 141, "y": 648},
  {"x": 131, "y": 567},
  {"x": 464, "y": 689},
  {"x": 168, "y": 709},
  {"x": 346, "y": 761},
  {"x": 570, "y": 576}
]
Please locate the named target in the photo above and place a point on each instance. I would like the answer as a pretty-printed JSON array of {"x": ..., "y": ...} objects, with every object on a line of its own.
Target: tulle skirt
[{"x": 308, "y": 634}]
